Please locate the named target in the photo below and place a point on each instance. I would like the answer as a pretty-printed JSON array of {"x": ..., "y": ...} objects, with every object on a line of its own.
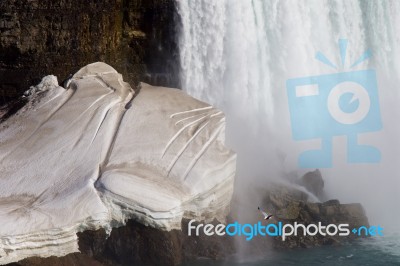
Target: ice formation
[{"x": 95, "y": 154}]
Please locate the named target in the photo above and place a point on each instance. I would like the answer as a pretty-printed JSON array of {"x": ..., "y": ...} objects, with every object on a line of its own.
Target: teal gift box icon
[{"x": 339, "y": 104}]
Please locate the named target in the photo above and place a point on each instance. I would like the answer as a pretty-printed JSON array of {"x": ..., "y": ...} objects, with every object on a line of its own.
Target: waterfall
[{"x": 237, "y": 55}]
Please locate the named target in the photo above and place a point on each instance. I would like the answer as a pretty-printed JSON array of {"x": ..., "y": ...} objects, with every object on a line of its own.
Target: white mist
[{"x": 238, "y": 55}]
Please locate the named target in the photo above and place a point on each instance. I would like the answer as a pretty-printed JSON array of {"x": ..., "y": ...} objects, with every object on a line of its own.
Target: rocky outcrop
[
  {"x": 291, "y": 205},
  {"x": 41, "y": 37}
]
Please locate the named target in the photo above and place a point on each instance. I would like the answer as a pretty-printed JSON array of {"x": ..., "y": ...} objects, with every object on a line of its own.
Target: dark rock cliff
[
  {"x": 41, "y": 37},
  {"x": 136, "y": 244}
]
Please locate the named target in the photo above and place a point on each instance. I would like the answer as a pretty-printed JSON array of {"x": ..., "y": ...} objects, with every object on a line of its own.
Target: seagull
[{"x": 266, "y": 215}]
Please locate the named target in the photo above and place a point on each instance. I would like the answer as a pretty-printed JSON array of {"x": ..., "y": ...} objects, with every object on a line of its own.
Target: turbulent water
[
  {"x": 366, "y": 252},
  {"x": 238, "y": 56}
]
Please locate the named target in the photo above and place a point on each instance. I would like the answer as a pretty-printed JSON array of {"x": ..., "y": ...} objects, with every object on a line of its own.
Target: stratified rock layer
[
  {"x": 38, "y": 37},
  {"x": 93, "y": 156}
]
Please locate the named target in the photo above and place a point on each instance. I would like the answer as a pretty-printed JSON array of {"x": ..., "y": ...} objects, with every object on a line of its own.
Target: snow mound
[
  {"x": 93, "y": 156},
  {"x": 48, "y": 82}
]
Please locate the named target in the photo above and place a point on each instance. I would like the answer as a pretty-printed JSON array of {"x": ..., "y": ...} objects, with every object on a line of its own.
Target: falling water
[{"x": 237, "y": 55}]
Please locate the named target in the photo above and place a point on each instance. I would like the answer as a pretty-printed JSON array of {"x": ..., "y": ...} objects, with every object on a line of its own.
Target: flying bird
[{"x": 266, "y": 215}]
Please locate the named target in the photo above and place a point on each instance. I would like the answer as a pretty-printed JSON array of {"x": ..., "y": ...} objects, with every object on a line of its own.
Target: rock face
[
  {"x": 136, "y": 244},
  {"x": 38, "y": 37},
  {"x": 313, "y": 182},
  {"x": 97, "y": 154}
]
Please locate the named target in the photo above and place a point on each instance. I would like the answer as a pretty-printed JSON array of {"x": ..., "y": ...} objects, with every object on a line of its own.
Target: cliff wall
[{"x": 41, "y": 37}]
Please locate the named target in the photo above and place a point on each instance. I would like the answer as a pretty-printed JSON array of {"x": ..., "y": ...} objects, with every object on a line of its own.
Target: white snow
[
  {"x": 93, "y": 156},
  {"x": 47, "y": 83}
]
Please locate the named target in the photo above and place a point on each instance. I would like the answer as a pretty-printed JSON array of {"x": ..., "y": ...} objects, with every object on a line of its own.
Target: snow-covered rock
[
  {"x": 47, "y": 83},
  {"x": 96, "y": 154}
]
